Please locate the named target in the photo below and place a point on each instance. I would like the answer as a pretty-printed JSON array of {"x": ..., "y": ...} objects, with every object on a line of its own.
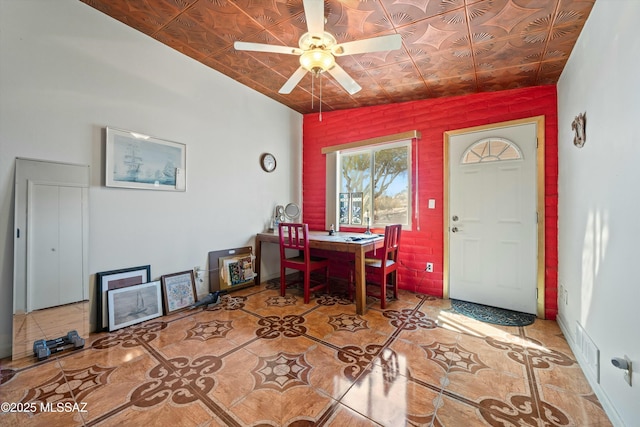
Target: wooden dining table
[{"x": 354, "y": 243}]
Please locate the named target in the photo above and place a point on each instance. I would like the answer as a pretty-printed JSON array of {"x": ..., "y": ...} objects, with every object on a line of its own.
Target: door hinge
[{"x": 537, "y": 217}]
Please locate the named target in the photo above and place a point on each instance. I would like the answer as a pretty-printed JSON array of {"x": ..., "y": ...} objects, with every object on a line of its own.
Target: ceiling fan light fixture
[
  {"x": 317, "y": 60},
  {"x": 319, "y": 49}
]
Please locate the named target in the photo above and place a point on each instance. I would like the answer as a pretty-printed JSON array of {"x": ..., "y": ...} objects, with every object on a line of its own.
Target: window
[
  {"x": 374, "y": 185},
  {"x": 491, "y": 150}
]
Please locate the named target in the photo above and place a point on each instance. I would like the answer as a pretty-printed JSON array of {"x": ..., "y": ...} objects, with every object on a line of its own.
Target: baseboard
[{"x": 608, "y": 407}]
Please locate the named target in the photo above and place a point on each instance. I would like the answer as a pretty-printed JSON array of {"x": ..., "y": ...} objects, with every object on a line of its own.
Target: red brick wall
[{"x": 432, "y": 118}]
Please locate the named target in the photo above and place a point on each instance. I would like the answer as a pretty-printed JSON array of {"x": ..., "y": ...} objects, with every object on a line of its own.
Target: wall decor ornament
[
  {"x": 579, "y": 125},
  {"x": 134, "y": 160}
]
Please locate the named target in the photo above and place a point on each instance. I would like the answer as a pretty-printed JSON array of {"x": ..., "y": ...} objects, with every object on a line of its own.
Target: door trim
[
  {"x": 540, "y": 171},
  {"x": 42, "y": 171}
]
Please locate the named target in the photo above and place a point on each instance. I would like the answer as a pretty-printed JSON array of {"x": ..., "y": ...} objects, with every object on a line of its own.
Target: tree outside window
[{"x": 381, "y": 175}]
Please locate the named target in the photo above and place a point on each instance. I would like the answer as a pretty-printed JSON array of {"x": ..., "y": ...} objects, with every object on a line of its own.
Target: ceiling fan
[{"x": 319, "y": 48}]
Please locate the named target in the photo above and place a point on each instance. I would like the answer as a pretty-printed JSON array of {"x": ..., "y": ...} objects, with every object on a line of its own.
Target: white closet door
[{"x": 55, "y": 267}]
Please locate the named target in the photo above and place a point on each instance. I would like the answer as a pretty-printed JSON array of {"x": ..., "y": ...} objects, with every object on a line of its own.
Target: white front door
[{"x": 493, "y": 218}]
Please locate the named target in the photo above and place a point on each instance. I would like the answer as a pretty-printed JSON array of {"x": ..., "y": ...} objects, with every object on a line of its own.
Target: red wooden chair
[
  {"x": 294, "y": 236},
  {"x": 383, "y": 263}
]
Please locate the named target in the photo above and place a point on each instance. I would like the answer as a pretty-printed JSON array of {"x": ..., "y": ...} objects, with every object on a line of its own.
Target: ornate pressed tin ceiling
[{"x": 449, "y": 47}]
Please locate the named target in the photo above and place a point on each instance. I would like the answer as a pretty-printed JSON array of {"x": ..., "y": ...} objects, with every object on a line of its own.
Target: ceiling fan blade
[
  {"x": 261, "y": 47},
  {"x": 293, "y": 81},
  {"x": 375, "y": 44},
  {"x": 314, "y": 14},
  {"x": 344, "y": 79}
]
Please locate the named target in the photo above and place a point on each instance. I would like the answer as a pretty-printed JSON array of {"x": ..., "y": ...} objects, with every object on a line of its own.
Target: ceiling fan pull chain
[
  {"x": 320, "y": 117},
  {"x": 312, "y": 90}
]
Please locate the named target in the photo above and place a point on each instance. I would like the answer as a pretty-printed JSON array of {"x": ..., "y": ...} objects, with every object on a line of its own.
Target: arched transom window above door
[{"x": 491, "y": 150}]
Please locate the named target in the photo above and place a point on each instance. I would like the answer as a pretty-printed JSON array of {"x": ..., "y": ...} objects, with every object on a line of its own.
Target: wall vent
[{"x": 589, "y": 352}]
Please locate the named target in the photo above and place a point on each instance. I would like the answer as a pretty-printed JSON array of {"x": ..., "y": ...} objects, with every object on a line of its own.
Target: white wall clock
[{"x": 268, "y": 162}]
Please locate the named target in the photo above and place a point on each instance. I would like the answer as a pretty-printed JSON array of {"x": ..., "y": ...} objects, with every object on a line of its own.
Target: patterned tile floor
[{"x": 258, "y": 359}]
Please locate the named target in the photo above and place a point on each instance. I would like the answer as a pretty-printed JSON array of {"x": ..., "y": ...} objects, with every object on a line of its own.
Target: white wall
[
  {"x": 599, "y": 198},
  {"x": 67, "y": 71}
]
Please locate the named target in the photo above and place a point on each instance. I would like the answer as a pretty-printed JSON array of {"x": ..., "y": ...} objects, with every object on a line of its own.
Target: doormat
[{"x": 497, "y": 316}]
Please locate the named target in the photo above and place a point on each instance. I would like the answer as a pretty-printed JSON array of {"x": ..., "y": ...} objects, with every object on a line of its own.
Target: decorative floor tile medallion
[
  {"x": 357, "y": 358},
  {"x": 333, "y": 299},
  {"x": 177, "y": 381},
  {"x": 74, "y": 385},
  {"x": 132, "y": 336},
  {"x": 425, "y": 420},
  {"x": 348, "y": 322},
  {"x": 208, "y": 330},
  {"x": 535, "y": 352},
  {"x": 273, "y": 326},
  {"x": 229, "y": 302},
  {"x": 410, "y": 321},
  {"x": 521, "y": 411},
  {"x": 278, "y": 301},
  {"x": 281, "y": 372},
  {"x": 6, "y": 375},
  {"x": 454, "y": 358}
]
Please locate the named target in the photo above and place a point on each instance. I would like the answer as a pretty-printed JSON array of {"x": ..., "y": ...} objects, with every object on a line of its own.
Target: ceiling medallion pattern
[{"x": 449, "y": 47}]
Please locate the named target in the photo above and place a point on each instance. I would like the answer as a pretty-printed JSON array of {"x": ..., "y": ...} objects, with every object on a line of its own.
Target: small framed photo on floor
[
  {"x": 134, "y": 304},
  {"x": 179, "y": 291}
]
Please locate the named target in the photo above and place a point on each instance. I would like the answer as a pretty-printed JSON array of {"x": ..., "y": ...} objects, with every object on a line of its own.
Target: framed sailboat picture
[
  {"x": 135, "y": 160},
  {"x": 116, "y": 279},
  {"x": 135, "y": 304}
]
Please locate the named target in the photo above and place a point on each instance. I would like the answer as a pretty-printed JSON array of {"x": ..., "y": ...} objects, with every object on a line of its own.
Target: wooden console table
[{"x": 355, "y": 243}]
